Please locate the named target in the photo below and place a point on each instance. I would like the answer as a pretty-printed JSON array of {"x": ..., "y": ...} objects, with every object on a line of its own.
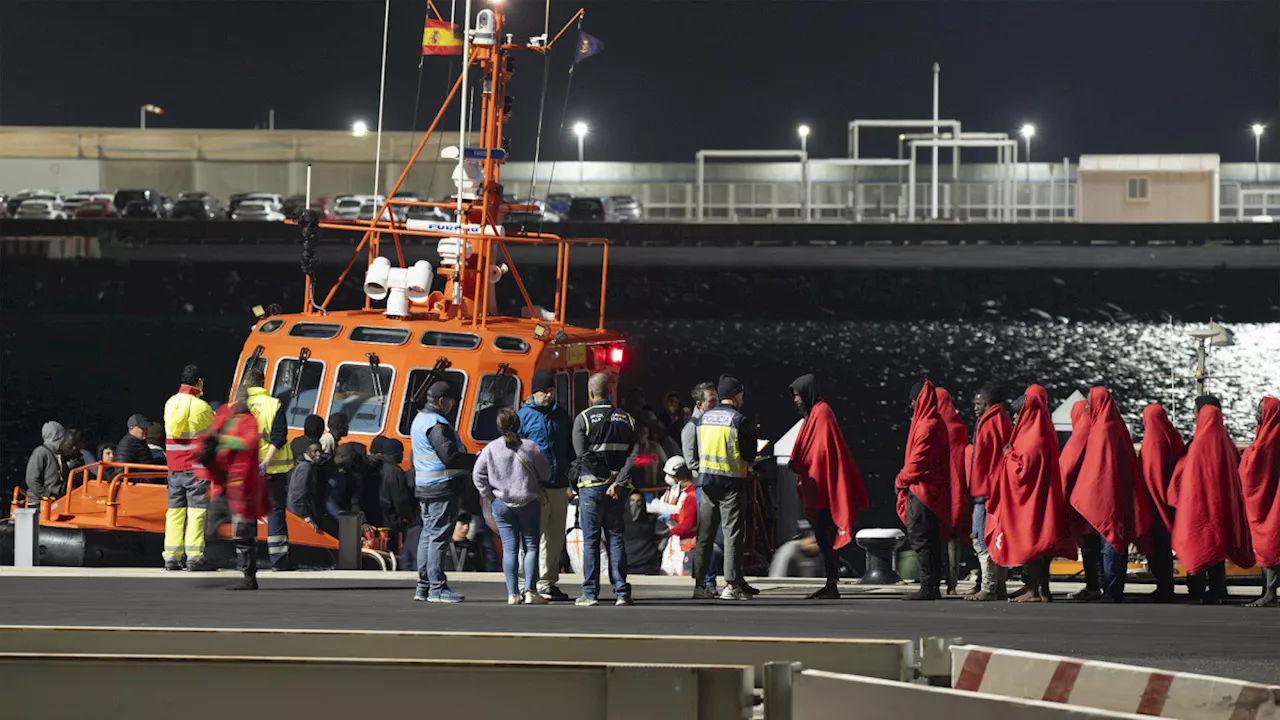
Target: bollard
[
  {"x": 935, "y": 660},
  {"x": 350, "y": 540},
  {"x": 778, "y": 679},
  {"x": 26, "y": 537}
]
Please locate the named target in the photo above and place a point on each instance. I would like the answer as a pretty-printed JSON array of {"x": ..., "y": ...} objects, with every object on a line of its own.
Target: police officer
[
  {"x": 440, "y": 464},
  {"x": 726, "y": 448},
  {"x": 604, "y": 440},
  {"x": 186, "y": 415},
  {"x": 276, "y": 458}
]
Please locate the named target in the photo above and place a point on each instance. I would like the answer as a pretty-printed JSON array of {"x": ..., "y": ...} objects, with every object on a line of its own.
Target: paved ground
[{"x": 1232, "y": 641}]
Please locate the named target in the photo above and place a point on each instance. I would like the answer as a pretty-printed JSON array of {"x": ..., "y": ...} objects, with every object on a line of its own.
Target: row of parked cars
[{"x": 273, "y": 207}]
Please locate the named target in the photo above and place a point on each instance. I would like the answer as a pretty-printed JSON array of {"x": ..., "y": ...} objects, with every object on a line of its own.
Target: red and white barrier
[{"x": 1110, "y": 686}]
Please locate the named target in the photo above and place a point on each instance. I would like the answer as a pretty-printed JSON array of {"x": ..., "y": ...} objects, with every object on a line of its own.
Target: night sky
[{"x": 1095, "y": 76}]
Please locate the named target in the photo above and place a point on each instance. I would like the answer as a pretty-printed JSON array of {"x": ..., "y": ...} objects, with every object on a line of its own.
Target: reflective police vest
[
  {"x": 264, "y": 408},
  {"x": 610, "y": 434},
  {"x": 718, "y": 443},
  {"x": 428, "y": 468},
  {"x": 185, "y": 417}
]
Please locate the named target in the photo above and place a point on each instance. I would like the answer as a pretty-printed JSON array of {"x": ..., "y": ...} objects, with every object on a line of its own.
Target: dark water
[{"x": 90, "y": 343}]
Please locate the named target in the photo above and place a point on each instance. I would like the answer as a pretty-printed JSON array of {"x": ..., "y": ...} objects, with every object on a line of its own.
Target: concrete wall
[{"x": 1102, "y": 197}]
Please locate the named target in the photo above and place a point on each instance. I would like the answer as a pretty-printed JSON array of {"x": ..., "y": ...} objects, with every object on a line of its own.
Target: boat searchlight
[{"x": 399, "y": 286}]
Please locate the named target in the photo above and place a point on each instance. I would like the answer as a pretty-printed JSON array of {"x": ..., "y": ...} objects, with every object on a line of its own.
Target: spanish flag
[{"x": 441, "y": 38}]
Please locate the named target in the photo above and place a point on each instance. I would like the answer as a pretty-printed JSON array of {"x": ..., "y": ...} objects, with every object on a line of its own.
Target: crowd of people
[{"x": 666, "y": 491}]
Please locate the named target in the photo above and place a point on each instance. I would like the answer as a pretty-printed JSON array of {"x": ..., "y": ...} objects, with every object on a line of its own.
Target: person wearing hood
[
  {"x": 830, "y": 487},
  {"x": 961, "y": 503},
  {"x": 549, "y": 426},
  {"x": 990, "y": 436},
  {"x": 1260, "y": 480},
  {"x": 1211, "y": 525},
  {"x": 46, "y": 469},
  {"x": 1162, "y": 448},
  {"x": 924, "y": 489},
  {"x": 395, "y": 496}
]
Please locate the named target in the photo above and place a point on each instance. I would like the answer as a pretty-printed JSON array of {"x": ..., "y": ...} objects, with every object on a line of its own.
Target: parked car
[
  {"x": 94, "y": 209},
  {"x": 323, "y": 211},
  {"x": 15, "y": 201},
  {"x": 234, "y": 201},
  {"x": 198, "y": 208},
  {"x": 629, "y": 208},
  {"x": 559, "y": 203},
  {"x": 432, "y": 214},
  {"x": 274, "y": 199},
  {"x": 347, "y": 207},
  {"x": 194, "y": 195},
  {"x": 370, "y": 207},
  {"x": 260, "y": 210},
  {"x": 293, "y": 205},
  {"x": 41, "y": 209},
  {"x": 593, "y": 209},
  {"x": 141, "y": 204},
  {"x": 531, "y": 218},
  {"x": 76, "y": 199}
]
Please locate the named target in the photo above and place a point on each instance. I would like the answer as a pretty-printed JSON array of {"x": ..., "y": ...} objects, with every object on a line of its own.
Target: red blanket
[
  {"x": 1162, "y": 448},
  {"x": 235, "y": 472},
  {"x": 826, "y": 475},
  {"x": 957, "y": 440},
  {"x": 926, "y": 469},
  {"x": 1260, "y": 479},
  {"x": 992, "y": 434},
  {"x": 1210, "y": 525},
  {"x": 1070, "y": 461},
  {"x": 1026, "y": 510},
  {"x": 1108, "y": 491}
]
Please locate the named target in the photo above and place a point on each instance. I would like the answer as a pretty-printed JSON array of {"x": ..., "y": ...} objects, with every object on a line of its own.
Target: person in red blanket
[
  {"x": 1260, "y": 479},
  {"x": 924, "y": 489},
  {"x": 1210, "y": 525},
  {"x": 986, "y": 459},
  {"x": 827, "y": 480},
  {"x": 961, "y": 503},
  {"x": 229, "y": 462},
  {"x": 1080, "y": 535},
  {"x": 1026, "y": 508},
  {"x": 1162, "y": 448}
]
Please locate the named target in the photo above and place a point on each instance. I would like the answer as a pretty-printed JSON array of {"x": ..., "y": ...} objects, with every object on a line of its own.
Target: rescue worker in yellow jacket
[
  {"x": 186, "y": 415},
  {"x": 276, "y": 458}
]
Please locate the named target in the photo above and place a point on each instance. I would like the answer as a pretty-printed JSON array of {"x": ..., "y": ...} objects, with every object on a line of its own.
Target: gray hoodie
[
  {"x": 689, "y": 441},
  {"x": 516, "y": 476},
  {"x": 45, "y": 474}
]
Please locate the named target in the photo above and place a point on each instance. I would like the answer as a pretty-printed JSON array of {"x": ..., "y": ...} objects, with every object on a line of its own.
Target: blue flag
[{"x": 588, "y": 45}]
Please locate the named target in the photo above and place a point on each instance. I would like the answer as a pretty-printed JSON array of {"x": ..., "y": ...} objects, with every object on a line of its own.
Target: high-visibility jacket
[
  {"x": 428, "y": 467},
  {"x": 265, "y": 408},
  {"x": 185, "y": 417},
  {"x": 719, "y": 454},
  {"x": 610, "y": 432}
]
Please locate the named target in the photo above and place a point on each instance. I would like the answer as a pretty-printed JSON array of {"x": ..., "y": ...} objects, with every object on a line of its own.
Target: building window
[
  {"x": 1138, "y": 189},
  {"x": 302, "y": 403},
  {"x": 496, "y": 392},
  {"x": 415, "y": 396},
  {"x": 362, "y": 397}
]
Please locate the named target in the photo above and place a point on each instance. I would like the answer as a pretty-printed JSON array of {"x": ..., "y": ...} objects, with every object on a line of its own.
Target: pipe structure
[
  {"x": 954, "y": 143},
  {"x": 933, "y": 178},
  {"x": 801, "y": 155}
]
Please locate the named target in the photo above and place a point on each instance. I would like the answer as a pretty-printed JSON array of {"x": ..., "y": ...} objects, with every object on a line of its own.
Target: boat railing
[{"x": 80, "y": 480}]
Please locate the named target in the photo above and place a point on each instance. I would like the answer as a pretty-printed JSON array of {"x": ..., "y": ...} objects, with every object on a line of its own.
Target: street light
[
  {"x": 803, "y": 132},
  {"x": 1028, "y": 131},
  {"x": 1257, "y": 150},
  {"x": 142, "y": 114},
  {"x": 359, "y": 128},
  {"x": 580, "y": 129}
]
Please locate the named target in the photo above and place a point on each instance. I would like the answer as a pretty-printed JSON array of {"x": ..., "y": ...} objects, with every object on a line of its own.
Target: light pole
[
  {"x": 359, "y": 128},
  {"x": 580, "y": 129},
  {"x": 1028, "y": 131},
  {"x": 803, "y": 132},
  {"x": 142, "y": 114},
  {"x": 1257, "y": 151}
]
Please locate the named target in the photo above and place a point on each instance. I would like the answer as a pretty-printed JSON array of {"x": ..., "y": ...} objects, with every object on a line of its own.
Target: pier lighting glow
[
  {"x": 359, "y": 128},
  {"x": 1257, "y": 129},
  {"x": 803, "y": 131},
  {"x": 580, "y": 129},
  {"x": 1027, "y": 131}
]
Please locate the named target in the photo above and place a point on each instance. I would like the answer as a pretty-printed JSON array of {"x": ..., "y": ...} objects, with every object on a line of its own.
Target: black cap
[
  {"x": 728, "y": 387},
  {"x": 137, "y": 420},
  {"x": 441, "y": 389},
  {"x": 542, "y": 380}
]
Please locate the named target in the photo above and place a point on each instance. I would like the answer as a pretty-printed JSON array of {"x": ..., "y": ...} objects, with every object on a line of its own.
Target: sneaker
[
  {"x": 742, "y": 585},
  {"x": 705, "y": 592},
  {"x": 420, "y": 595},
  {"x": 201, "y": 565},
  {"x": 444, "y": 596},
  {"x": 533, "y": 598},
  {"x": 624, "y": 600},
  {"x": 513, "y": 599},
  {"x": 1085, "y": 595},
  {"x": 923, "y": 594},
  {"x": 172, "y": 565},
  {"x": 586, "y": 602},
  {"x": 248, "y": 583},
  {"x": 554, "y": 594},
  {"x": 734, "y": 593}
]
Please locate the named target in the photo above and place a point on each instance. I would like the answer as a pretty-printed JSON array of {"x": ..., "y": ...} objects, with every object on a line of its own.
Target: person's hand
[
  {"x": 262, "y": 469},
  {"x": 665, "y": 518},
  {"x": 569, "y": 492},
  {"x": 614, "y": 492},
  {"x": 312, "y": 524}
]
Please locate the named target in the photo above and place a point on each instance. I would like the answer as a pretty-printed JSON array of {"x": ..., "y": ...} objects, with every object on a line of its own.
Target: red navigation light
[{"x": 616, "y": 355}]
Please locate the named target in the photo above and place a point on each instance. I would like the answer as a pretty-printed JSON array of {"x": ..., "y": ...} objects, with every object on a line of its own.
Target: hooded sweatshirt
[{"x": 45, "y": 470}]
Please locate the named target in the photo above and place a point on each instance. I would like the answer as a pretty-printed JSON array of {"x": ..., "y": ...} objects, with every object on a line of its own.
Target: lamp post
[
  {"x": 1027, "y": 132},
  {"x": 142, "y": 114},
  {"x": 803, "y": 132},
  {"x": 580, "y": 129},
  {"x": 1257, "y": 150},
  {"x": 359, "y": 128}
]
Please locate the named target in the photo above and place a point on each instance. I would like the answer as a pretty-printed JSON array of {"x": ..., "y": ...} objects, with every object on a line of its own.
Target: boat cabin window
[
  {"x": 453, "y": 340},
  {"x": 315, "y": 331},
  {"x": 416, "y": 388},
  {"x": 562, "y": 391},
  {"x": 362, "y": 396},
  {"x": 260, "y": 364},
  {"x": 298, "y": 405},
  {"x": 379, "y": 335},
  {"x": 270, "y": 326},
  {"x": 580, "y": 401},
  {"x": 496, "y": 392},
  {"x": 507, "y": 343}
]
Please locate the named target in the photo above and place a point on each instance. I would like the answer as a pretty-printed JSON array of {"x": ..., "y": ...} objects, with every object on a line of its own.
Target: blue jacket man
[
  {"x": 440, "y": 464},
  {"x": 548, "y": 425}
]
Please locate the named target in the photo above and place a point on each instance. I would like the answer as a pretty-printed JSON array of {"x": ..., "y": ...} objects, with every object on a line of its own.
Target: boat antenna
[
  {"x": 564, "y": 110},
  {"x": 542, "y": 106},
  {"x": 462, "y": 122},
  {"x": 382, "y": 91}
]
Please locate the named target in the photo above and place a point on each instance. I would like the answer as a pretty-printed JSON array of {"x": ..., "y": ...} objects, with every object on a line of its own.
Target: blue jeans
[
  {"x": 438, "y": 515},
  {"x": 598, "y": 512},
  {"x": 1115, "y": 565},
  {"x": 517, "y": 525},
  {"x": 979, "y": 525}
]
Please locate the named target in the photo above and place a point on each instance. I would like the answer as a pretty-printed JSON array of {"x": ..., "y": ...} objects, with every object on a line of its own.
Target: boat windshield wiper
[
  {"x": 303, "y": 357},
  {"x": 252, "y": 363},
  {"x": 420, "y": 393},
  {"x": 374, "y": 365}
]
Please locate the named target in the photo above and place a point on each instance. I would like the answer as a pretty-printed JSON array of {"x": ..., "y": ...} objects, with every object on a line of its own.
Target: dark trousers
[
  {"x": 1161, "y": 558},
  {"x": 1091, "y": 558},
  {"x": 277, "y": 525},
  {"x": 244, "y": 532},
  {"x": 825, "y": 531},
  {"x": 407, "y": 557},
  {"x": 924, "y": 535},
  {"x": 1271, "y": 580},
  {"x": 598, "y": 513},
  {"x": 720, "y": 504},
  {"x": 1209, "y": 584}
]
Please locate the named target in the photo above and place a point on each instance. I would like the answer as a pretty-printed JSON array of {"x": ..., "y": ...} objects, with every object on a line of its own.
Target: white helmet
[{"x": 674, "y": 465}]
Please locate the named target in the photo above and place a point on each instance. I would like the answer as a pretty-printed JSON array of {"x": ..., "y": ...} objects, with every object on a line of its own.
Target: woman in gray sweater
[{"x": 510, "y": 474}]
